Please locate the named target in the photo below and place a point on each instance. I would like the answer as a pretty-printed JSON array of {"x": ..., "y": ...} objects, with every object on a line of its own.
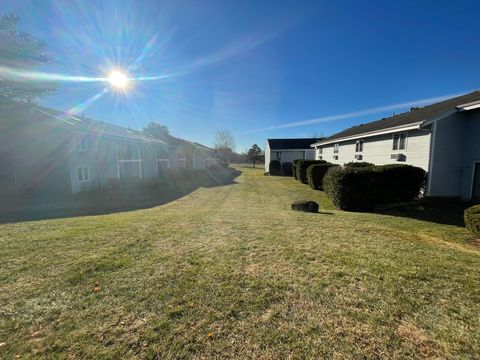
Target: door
[{"x": 476, "y": 182}]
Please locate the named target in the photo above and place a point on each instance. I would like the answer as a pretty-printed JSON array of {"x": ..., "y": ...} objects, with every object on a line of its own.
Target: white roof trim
[
  {"x": 413, "y": 126},
  {"x": 469, "y": 106}
]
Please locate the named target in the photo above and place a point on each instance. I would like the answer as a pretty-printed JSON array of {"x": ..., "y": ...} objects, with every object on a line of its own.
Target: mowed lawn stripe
[{"x": 231, "y": 271}]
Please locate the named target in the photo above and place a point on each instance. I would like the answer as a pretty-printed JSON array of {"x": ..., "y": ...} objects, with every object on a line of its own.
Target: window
[
  {"x": 400, "y": 141},
  {"x": 359, "y": 146},
  {"x": 181, "y": 159},
  {"x": 80, "y": 143},
  {"x": 336, "y": 148},
  {"x": 279, "y": 155},
  {"x": 82, "y": 174},
  {"x": 320, "y": 150}
]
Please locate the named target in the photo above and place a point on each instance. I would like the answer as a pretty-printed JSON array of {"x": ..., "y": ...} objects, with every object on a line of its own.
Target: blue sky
[{"x": 253, "y": 66}]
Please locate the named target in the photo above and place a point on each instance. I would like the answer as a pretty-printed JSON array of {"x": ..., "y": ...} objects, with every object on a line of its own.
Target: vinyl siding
[
  {"x": 378, "y": 150},
  {"x": 471, "y": 153},
  {"x": 287, "y": 155},
  {"x": 456, "y": 149},
  {"x": 446, "y": 166},
  {"x": 100, "y": 157}
]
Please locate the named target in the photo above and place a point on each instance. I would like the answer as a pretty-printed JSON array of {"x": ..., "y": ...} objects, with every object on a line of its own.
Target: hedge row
[
  {"x": 316, "y": 173},
  {"x": 366, "y": 187},
  {"x": 472, "y": 219},
  {"x": 358, "y": 164},
  {"x": 287, "y": 168},
  {"x": 275, "y": 167},
  {"x": 294, "y": 167},
  {"x": 301, "y": 169}
]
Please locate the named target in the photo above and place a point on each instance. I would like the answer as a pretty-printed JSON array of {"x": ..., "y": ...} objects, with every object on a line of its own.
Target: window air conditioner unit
[
  {"x": 358, "y": 157},
  {"x": 320, "y": 157},
  {"x": 335, "y": 157},
  {"x": 398, "y": 157}
]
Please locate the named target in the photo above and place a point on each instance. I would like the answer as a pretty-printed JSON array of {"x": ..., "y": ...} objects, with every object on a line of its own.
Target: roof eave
[{"x": 394, "y": 129}]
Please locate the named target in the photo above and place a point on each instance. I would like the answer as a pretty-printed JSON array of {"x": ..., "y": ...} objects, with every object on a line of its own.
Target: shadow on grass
[
  {"x": 106, "y": 201},
  {"x": 436, "y": 210}
]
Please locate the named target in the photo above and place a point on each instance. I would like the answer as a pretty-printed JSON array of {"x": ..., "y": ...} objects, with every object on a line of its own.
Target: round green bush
[
  {"x": 301, "y": 168},
  {"x": 316, "y": 173},
  {"x": 287, "y": 168},
  {"x": 275, "y": 167},
  {"x": 364, "y": 188},
  {"x": 472, "y": 219},
  {"x": 294, "y": 166}
]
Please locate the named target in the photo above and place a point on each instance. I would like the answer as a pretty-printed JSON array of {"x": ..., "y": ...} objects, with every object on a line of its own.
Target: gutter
[{"x": 413, "y": 126}]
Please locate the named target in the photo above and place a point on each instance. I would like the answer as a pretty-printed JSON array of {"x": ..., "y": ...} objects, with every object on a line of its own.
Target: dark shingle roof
[
  {"x": 303, "y": 143},
  {"x": 82, "y": 123},
  {"x": 414, "y": 116}
]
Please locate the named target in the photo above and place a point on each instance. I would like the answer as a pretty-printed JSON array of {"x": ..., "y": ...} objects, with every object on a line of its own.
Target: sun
[{"x": 118, "y": 79}]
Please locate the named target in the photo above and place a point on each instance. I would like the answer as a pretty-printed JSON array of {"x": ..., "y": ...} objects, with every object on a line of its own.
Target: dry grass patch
[{"x": 231, "y": 271}]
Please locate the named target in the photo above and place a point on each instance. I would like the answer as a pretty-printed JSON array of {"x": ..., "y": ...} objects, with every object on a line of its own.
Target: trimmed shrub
[
  {"x": 275, "y": 167},
  {"x": 316, "y": 173},
  {"x": 364, "y": 188},
  {"x": 359, "y": 164},
  {"x": 301, "y": 168},
  {"x": 399, "y": 183},
  {"x": 472, "y": 219},
  {"x": 294, "y": 168},
  {"x": 287, "y": 169}
]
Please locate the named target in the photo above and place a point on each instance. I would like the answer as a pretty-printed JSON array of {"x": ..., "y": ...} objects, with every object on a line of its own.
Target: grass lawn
[{"x": 231, "y": 271}]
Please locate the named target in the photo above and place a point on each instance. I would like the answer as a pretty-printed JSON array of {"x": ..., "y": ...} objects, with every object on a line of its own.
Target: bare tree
[
  {"x": 224, "y": 145},
  {"x": 224, "y": 139}
]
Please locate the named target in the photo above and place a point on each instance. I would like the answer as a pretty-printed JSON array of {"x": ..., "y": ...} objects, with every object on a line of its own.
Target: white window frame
[
  {"x": 359, "y": 146},
  {"x": 398, "y": 145},
  {"x": 140, "y": 166},
  {"x": 278, "y": 155},
  {"x": 336, "y": 148},
  {"x": 80, "y": 143},
  {"x": 320, "y": 150},
  {"x": 83, "y": 170}
]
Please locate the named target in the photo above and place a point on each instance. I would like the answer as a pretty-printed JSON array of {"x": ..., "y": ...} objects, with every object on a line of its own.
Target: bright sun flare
[{"x": 118, "y": 79}]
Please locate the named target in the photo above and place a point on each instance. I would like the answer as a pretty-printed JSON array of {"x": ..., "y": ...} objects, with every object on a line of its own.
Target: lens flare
[{"x": 118, "y": 79}]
